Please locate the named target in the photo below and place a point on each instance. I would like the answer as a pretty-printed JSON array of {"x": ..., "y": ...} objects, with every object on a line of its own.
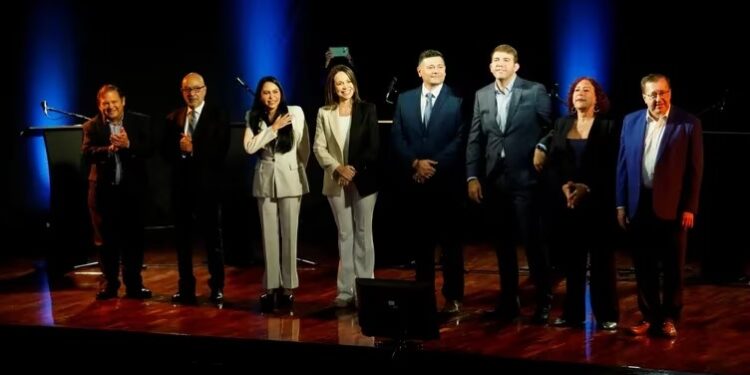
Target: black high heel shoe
[
  {"x": 284, "y": 299},
  {"x": 267, "y": 302}
]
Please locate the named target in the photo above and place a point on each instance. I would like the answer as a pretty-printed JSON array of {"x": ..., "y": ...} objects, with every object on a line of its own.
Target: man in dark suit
[
  {"x": 659, "y": 172},
  {"x": 426, "y": 139},
  {"x": 115, "y": 146},
  {"x": 196, "y": 141},
  {"x": 511, "y": 115}
]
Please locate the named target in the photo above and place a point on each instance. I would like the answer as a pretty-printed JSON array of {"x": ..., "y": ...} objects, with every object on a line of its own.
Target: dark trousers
[
  {"x": 201, "y": 211},
  {"x": 659, "y": 248},
  {"x": 122, "y": 236},
  {"x": 435, "y": 220},
  {"x": 584, "y": 238},
  {"x": 514, "y": 218}
]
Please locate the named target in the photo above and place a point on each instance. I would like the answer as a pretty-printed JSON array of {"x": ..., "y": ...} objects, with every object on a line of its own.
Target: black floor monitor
[{"x": 397, "y": 309}]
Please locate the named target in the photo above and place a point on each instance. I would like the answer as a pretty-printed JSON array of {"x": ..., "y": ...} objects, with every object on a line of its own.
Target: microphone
[
  {"x": 244, "y": 85},
  {"x": 392, "y": 90},
  {"x": 241, "y": 82},
  {"x": 723, "y": 102},
  {"x": 45, "y": 108}
]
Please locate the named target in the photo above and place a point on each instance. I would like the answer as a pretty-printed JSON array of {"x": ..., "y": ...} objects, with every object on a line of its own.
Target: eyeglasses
[
  {"x": 192, "y": 89},
  {"x": 657, "y": 94}
]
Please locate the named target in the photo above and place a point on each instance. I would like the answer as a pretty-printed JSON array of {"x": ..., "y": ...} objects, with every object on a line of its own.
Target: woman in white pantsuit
[
  {"x": 278, "y": 184},
  {"x": 346, "y": 146}
]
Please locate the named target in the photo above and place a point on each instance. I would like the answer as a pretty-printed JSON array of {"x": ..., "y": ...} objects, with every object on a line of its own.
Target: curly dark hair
[{"x": 602, "y": 101}]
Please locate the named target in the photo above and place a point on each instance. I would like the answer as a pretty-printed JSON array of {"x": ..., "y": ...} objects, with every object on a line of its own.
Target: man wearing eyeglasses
[
  {"x": 196, "y": 141},
  {"x": 659, "y": 174}
]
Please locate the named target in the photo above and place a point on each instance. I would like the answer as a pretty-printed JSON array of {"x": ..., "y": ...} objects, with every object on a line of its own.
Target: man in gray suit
[{"x": 510, "y": 116}]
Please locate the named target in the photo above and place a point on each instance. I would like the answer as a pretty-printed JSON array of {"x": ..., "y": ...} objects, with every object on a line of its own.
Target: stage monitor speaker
[{"x": 397, "y": 309}]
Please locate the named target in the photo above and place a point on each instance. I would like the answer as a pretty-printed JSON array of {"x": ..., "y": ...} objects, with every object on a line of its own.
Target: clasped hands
[
  {"x": 424, "y": 169},
  {"x": 574, "y": 192},
  {"x": 118, "y": 141},
  {"x": 345, "y": 174}
]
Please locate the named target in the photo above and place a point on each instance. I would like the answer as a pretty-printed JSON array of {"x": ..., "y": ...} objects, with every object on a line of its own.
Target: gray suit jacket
[{"x": 528, "y": 121}]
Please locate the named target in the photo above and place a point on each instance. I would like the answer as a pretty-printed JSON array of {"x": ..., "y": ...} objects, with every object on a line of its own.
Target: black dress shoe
[
  {"x": 106, "y": 294},
  {"x": 284, "y": 300},
  {"x": 184, "y": 298},
  {"x": 142, "y": 293},
  {"x": 217, "y": 296},
  {"x": 607, "y": 325},
  {"x": 452, "y": 306},
  {"x": 541, "y": 315},
  {"x": 563, "y": 322}
]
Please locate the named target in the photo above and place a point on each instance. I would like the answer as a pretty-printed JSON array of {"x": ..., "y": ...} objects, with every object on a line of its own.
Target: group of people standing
[{"x": 585, "y": 172}]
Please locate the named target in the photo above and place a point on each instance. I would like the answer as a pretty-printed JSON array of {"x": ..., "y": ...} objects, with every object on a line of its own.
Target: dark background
[{"x": 146, "y": 49}]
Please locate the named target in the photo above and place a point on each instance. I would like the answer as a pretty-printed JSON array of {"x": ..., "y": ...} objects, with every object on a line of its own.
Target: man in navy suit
[
  {"x": 196, "y": 143},
  {"x": 659, "y": 173},
  {"x": 427, "y": 142},
  {"x": 511, "y": 115}
]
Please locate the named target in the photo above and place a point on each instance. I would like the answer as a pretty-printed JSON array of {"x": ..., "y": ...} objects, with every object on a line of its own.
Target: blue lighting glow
[
  {"x": 51, "y": 76},
  {"x": 264, "y": 38},
  {"x": 583, "y": 41}
]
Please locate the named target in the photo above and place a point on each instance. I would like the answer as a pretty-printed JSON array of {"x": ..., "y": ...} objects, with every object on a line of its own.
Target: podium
[{"x": 69, "y": 230}]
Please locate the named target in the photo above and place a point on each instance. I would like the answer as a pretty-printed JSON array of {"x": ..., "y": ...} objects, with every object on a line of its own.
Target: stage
[{"x": 60, "y": 321}]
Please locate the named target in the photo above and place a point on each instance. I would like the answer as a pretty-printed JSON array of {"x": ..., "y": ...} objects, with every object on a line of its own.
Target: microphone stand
[
  {"x": 46, "y": 109},
  {"x": 69, "y": 114},
  {"x": 719, "y": 105}
]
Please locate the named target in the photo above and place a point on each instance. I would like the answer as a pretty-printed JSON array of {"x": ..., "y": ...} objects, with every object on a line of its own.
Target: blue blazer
[
  {"x": 679, "y": 164},
  {"x": 440, "y": 140}
]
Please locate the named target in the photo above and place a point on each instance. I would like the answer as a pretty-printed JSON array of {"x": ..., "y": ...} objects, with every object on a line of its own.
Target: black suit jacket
[
  {"x": 203, "y": 168},
  {"x": 598, "y": 162},
  {"x": 364, "y": 145},
  {"x": 95, "y": 148}
]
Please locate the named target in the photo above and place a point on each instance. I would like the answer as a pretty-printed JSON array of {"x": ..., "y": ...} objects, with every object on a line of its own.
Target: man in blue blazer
[
  {"x": 659, "y": 173},
  {"x": 427, "y": 142},
  {"x": 511, "y": 115}
]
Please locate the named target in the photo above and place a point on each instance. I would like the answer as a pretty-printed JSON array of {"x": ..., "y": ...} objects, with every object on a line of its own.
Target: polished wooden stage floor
[{"x": 714, "y": 336}]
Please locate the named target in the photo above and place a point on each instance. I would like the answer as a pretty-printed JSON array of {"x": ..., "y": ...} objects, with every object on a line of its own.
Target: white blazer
[
  {"x": 327, "y": 150},
  {"x": 279, "y": 175}
]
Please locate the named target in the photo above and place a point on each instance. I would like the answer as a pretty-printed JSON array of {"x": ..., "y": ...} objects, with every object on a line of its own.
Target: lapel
[
  {"x": 332, "y": 122},
  {"x": 517, "y": 93},
  {"x": 491, "y": 102},
  {"x": 640, "y": 133},
  {"x": 437, "y": 106},
  {"x": 181, "y": 118},
  {"x": 669, "y": 129},
  {"x": 417, "y": 110},
  {"x": 106, "y": 131}
]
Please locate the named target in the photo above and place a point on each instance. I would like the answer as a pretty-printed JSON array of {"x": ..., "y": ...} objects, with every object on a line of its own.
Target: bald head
[{"x": 193, "y": 89}]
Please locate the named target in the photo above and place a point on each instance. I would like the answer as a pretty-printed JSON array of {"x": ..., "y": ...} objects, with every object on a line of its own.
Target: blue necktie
[{"x": 428, "y": 108}]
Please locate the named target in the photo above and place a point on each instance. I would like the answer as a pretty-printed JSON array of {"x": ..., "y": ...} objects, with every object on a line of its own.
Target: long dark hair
[{"x": 285, "y": 136}]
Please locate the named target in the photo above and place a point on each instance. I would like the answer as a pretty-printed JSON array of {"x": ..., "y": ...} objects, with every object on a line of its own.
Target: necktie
[
  {"x": 192, "y": 120},
  {"x": 428, "y": 109},
  {"x": 116, "y": 128}
]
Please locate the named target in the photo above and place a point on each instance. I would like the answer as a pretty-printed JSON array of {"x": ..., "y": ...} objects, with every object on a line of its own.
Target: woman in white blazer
[
  {"x": 279, "y": 182},
  {"x": 346, "y": 146}
]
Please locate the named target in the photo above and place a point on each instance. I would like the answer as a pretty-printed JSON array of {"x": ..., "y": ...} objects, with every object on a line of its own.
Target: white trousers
[
  {"x": 353, "y": 216},
  {"x": 275, "y": 214}
]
